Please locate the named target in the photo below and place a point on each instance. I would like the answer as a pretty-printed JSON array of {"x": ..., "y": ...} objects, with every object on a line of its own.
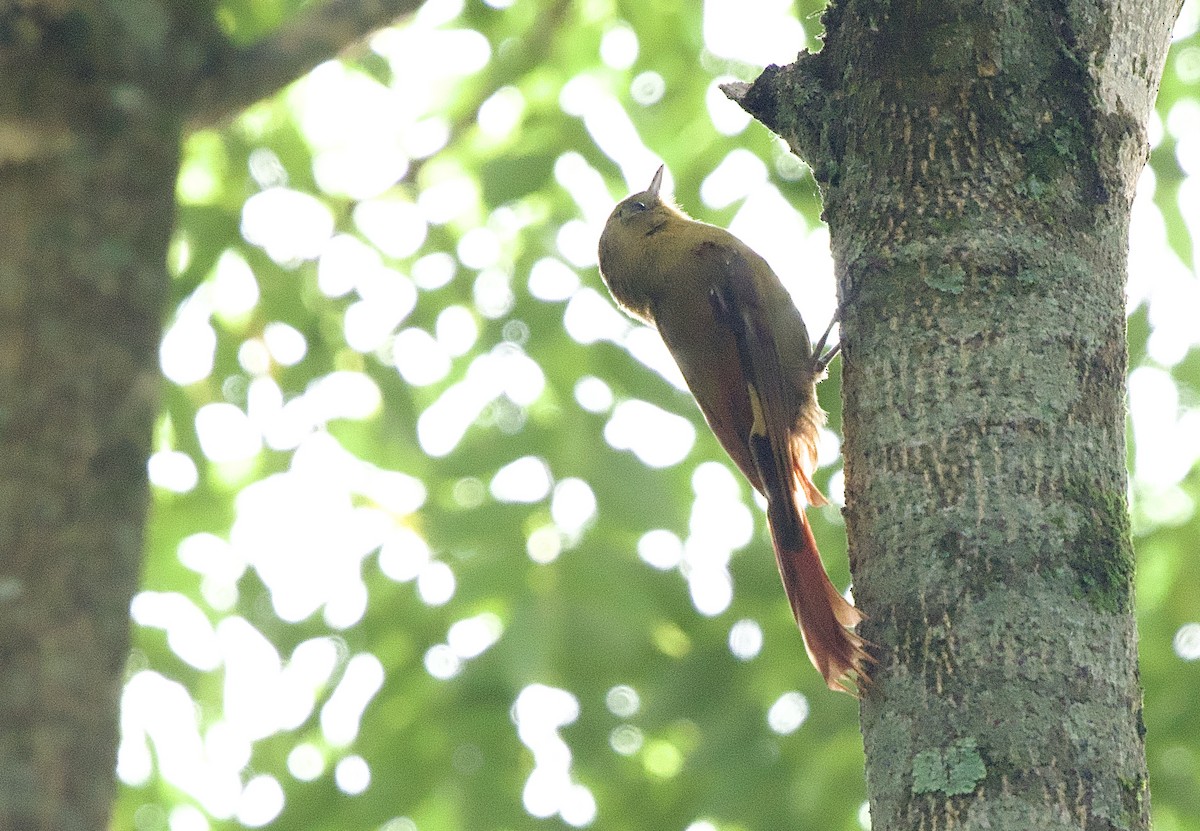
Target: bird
[{"x": 744, "y": 351}]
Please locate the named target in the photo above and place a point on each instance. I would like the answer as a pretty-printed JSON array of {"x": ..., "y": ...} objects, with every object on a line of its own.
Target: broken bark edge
[
  {"x": 790, "y": 102},
  {"x": 760, "y": 99},
  {"x": 735, "y": 91}
]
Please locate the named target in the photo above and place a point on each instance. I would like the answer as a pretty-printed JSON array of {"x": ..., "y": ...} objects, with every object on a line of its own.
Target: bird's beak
[{"x": 656, "y": 182}]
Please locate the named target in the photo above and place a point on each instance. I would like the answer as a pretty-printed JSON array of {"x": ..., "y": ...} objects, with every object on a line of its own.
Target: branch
[{"x": 242, "y": 75}]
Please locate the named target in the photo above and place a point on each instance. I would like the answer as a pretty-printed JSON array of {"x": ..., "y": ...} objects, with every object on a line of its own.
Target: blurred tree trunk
[
  {"x": 93, "y": 99},
  {"x": 88, "y": 156},
  {"x": 978, "y": 162}
]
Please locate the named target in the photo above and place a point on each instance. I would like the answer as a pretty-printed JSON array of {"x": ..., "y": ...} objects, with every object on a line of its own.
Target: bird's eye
[{"x": 637, "y": 206}]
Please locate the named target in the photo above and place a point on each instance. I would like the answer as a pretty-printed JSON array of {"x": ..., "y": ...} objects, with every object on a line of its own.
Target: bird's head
[
  {"x": 628, "y": 244},
  {"x": 641, "y": 214}
]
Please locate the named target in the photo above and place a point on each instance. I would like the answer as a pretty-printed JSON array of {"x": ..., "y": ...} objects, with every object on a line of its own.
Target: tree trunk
[
  {"x": 82, "y": 299},
  {"x": 88, "y": 156},
  {"x": 978, "y": 162},
  {"x": 93, "y": 99}
]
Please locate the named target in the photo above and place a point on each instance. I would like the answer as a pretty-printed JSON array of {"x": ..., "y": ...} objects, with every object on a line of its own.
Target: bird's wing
[
  {"x": 703, "y": 346},
  {"x": 739, "y": 306},
  {"x": 774, "y": 444}
]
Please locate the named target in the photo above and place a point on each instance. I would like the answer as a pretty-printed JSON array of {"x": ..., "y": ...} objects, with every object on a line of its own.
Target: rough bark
[
  {"x": 978, "y": 161},
  {"x": 93, "y": 98}
]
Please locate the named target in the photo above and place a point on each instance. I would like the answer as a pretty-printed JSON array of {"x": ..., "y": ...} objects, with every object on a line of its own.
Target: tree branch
[{"x": 242, "y": 75}]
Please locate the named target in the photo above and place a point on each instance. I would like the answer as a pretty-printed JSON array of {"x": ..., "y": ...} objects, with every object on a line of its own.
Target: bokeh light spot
[
  {"x": 788, "y": 712},
  {"x": 619, "y": 46},
  {"x": 305, "y": 762},
  {"x": 289, "y": 225},
  {"x": 226, "y": 434},
  {"x": 539, "y": 712},
  {"x": 1187, "y": 642},
  {"x": 456, "y": 330},
  {"x": 593, "y": 395},
  {"x": 261, "y": 801},
  {"x": 352, "y": 775},
  {"x": 648, "y": 88},
  {"x": 234, "y": 289},
  {"x": 436, "y": 584},
  {"x": 419, "y": 357},
  {"x": 434, "y": 270},
  {"x": 626, "y": 739},
  {"x": 342, "y": 714},
  {"x": 658, "y": 438},
  {"x": 493, "y": 293},
  {"x": 404, "y": 555},
  {"x": 442, "y": 663},
  {"x": 525, "y": 480},
  {"x": 173, "y": 471},
  {"x": 573, "y": 506},
  {"x": 471, "y": 637},
  {"x": 286, "y": 343},
  {"x": 660, "y": 548},
  {"x": 501, "y": 112},
  {"x": 189, "y": 344},
  {"x": 394, "y": 226},
  {"x": 622, "y": 701},
  {"x": 745, "y": 639},
  {"x": 661, "y": 759},
  {"x": 544, "y": 544},
  {"x": 552, "y": 280}
]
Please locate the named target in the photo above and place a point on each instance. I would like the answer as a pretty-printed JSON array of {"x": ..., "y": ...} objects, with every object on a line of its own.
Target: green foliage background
[{"x": 446, "y": 754}]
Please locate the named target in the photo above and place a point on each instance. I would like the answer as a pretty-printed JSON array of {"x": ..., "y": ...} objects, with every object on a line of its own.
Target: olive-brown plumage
[{"x": 745, "y": 354}]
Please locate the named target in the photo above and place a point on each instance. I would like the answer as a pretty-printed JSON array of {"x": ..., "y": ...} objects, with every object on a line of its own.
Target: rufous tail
[{"x": 823, "y": 614}]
